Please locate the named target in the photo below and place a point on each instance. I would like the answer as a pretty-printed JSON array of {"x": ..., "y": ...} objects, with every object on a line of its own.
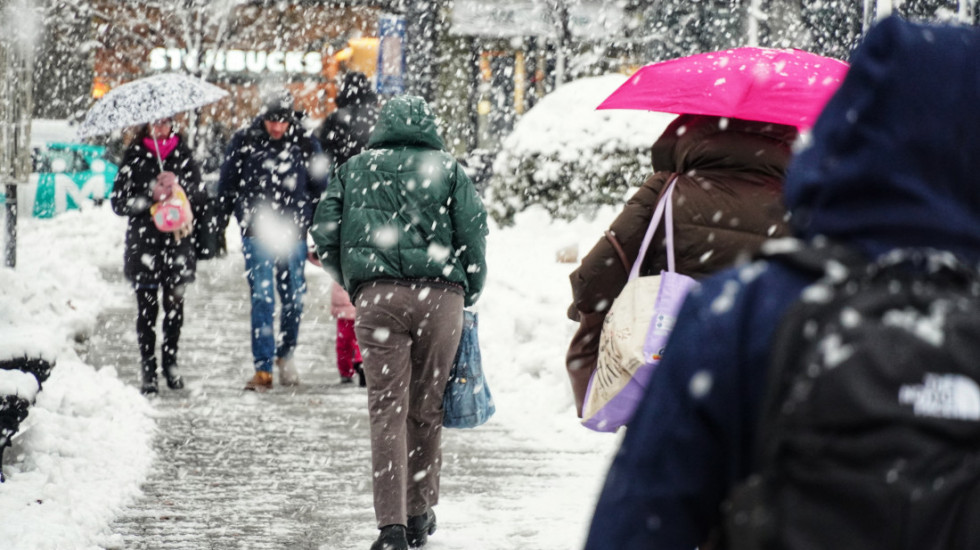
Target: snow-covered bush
[{"x": 570, "y": 158}]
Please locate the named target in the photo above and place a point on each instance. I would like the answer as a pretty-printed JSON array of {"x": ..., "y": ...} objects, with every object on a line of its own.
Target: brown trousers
[{"x": 408, "y": 337}]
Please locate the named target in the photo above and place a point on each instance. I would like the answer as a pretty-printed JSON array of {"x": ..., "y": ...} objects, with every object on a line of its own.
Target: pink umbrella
[{"x": 782, "y": 86}]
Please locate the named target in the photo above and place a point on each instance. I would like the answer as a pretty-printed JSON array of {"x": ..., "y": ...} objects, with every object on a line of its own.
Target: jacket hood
[
  {"x": 355, "y": 90},
  {"x": 709, "y": 142},
  {"x": 893, "y": 160},
  {"x": 406, "y": 120}
]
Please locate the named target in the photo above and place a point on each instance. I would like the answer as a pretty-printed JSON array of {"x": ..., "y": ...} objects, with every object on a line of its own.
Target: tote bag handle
[{"x": 664, "y": 204}]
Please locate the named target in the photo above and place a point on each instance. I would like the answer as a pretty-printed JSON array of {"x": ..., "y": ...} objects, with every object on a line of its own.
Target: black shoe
[
  {"x": 172, "y": 374},
  {"x": 420, "y": 527},
  {"x": 346, "y": 380},
  {"x": 148, "y": 370},
  {"x": 361, "y": 381},
  {"x": 392, "y": 537}
]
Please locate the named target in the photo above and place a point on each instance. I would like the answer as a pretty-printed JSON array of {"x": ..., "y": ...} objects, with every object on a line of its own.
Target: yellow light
[
  {"x": 344, "y": 54},
  {"x": 99, "y": 88},
  {"x": 363, "y": 56}
]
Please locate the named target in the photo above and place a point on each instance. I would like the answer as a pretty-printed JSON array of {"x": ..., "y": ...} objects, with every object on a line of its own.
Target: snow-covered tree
[{"x": 569, "y": 158}]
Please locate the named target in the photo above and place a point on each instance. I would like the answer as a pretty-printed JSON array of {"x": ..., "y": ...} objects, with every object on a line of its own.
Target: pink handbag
[
  {"x": 635, "y": 332},
  {"x": 172, "y": 212}
]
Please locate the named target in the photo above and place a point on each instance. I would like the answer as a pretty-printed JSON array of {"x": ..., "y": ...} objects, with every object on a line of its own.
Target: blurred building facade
[
  {"x": 481, "y": 63},
  {"x": 249, "y": 49}
]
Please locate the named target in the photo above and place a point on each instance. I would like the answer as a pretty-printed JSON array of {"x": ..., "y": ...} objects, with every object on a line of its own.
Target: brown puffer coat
[{"x": 727, "y": 201}]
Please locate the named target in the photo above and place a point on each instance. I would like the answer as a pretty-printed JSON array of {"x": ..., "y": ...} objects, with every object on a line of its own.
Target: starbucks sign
[{"x": 237, "y": 61}]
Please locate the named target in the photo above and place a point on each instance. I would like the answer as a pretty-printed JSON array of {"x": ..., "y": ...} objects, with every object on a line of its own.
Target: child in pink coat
[{"x": 348, "y": 352}]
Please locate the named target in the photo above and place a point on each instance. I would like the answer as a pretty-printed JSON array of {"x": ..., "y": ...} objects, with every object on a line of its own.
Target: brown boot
[{"x": 260, "y": 382}]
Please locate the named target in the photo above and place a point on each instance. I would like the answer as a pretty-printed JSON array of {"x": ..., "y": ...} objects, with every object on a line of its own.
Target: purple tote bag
[{"x": 620, "y": 380}]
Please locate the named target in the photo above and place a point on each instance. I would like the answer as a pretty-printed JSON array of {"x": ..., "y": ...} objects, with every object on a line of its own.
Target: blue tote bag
[{"x": 467, "y": 402}]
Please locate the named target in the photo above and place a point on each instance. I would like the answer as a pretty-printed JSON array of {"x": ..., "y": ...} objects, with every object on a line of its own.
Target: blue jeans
[{"x": 263, "y": 267}]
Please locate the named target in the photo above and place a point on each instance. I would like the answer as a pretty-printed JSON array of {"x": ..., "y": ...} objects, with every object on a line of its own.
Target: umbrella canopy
[
  {"x": 770, "y": 85},
  {"x": 145, "y": 100}
]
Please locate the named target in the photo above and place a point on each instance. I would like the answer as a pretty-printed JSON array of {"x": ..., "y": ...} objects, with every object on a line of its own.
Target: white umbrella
[{"x": 147, "y": 99}]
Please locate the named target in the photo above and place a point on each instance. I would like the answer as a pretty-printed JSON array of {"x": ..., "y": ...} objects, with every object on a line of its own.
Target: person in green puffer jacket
[{"x": 403, "y": 230}]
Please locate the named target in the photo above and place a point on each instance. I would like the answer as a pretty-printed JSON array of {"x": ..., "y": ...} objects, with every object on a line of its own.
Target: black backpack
[{"x": 870, "y": 433}]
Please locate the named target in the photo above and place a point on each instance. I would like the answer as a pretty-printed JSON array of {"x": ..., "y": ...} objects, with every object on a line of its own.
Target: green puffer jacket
[{"x": 402, "y": 209}]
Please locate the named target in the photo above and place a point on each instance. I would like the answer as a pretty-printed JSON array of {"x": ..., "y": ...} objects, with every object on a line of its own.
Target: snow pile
[
  {"x": 19, "y": 383},
  {"x": 53, "y": 295},
  {"x": 84, "y": 447},
  {"x": 524, "y": 330},
  {"x": 78, "y": 460}
]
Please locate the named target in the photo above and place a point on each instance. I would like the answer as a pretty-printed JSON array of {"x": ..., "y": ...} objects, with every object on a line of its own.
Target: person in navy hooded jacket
[
  {"x": 272, "y": 178},
  {"x": 892, "y": 163}
]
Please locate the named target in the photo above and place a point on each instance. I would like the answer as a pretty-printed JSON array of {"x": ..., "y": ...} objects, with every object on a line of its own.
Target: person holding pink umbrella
[
  {"x": 726, "y": 155},
  {"x": 727, "y": 176}
]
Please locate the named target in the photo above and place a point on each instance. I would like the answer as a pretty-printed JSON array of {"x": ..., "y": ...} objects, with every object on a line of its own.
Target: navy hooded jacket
[
  {"x": 892, "y": 162},
  {"x": 283, "y": 178}
]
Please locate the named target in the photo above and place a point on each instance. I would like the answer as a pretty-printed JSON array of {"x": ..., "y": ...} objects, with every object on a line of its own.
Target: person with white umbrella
[
  {"x": 159, "y": 259},
  {"x": 158, "y": 186}
]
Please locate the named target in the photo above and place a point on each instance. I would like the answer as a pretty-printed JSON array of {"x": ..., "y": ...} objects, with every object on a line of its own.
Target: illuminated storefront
[{"x": 248, "y": 49}]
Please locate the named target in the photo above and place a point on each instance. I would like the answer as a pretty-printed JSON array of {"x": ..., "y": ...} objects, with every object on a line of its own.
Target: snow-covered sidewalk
[{"x": 87, "y": 445}]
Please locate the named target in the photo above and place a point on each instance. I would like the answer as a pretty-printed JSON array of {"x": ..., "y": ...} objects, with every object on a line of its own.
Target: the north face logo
[{"x": 943, "y": 396}]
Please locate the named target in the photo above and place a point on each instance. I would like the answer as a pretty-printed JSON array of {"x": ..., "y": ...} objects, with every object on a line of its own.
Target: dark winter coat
[
  {"x": 152, "y": 256},
  {"x": 403, "y": 209},
  {"x": 727, "y": 201},
  {"x": 283, "y": 177},
  {"x": 346, "y": 131},
  {"x": 889, "y": 166}
]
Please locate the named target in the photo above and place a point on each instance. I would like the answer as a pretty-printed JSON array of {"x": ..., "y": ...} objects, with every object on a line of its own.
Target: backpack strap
[
  {"x": 822, "y": 260},
  {"x": 750, "y": 520},
  {"x": 611, "y": 237}
]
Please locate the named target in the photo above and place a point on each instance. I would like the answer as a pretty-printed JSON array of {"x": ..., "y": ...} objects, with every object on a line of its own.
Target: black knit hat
[
  {"x": 356, "y": 89},
  {"x": 279, "y": 107}
]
